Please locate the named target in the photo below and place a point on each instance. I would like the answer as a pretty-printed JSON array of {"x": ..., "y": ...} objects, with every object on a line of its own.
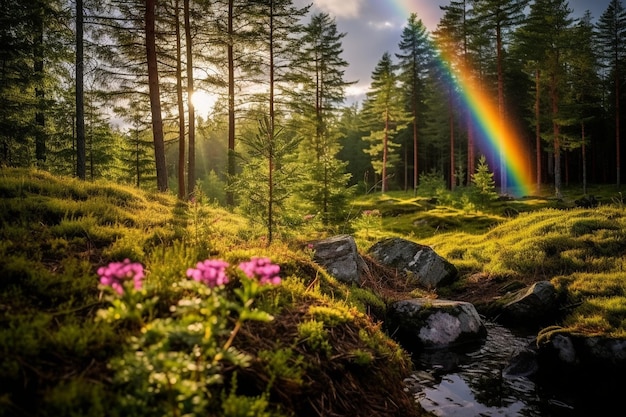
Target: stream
[{"x": 472, "y": 383}]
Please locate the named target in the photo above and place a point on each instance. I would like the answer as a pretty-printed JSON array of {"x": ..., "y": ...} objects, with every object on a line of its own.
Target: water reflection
[{"x": 476, "y": 383}]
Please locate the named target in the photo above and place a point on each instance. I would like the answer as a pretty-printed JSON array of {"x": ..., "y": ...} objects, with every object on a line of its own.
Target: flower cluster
[
  {"x": 211, "y": 272},
  {"x": 263, "y": 269},
  {"x": 116, "y": 273}
]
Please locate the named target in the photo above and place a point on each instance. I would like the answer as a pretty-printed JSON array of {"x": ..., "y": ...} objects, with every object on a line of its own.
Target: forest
[
  {"x": 106, "y": 90},
  {"x": 166, "y": 167}
]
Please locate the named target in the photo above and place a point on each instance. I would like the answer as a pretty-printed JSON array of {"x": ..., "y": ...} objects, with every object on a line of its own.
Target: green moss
[
  {"x": 314, "y": 334},
  {"x": 331, "y": 315}
]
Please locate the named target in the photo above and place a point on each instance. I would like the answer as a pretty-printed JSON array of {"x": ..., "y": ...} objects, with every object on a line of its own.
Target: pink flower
[
  {"x": 212, "y": 272},
  {"x": 263, "y": 269},
  {"x": 114, "y": 274}
]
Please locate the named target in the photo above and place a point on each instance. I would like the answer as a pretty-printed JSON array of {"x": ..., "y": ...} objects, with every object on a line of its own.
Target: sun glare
[{"x": 203, "y": 103}]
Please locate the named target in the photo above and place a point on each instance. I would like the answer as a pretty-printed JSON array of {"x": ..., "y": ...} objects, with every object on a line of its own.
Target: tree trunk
[
  {"x": 230, "y": 197},
  {"x": 415, "y": 154},
  {"x": 155, "y": 96},
  {"x": 503, "y": 179},
  {"x": 537, "y": 128},
  {"x": 385, "y": 142},
  {"x": 80, "y": 94},
  {"x": 584, "y": 156},
  {"x": 270, "y": 205},
  {"x": 617, "y": 117},
  {"x": 191, "y": 165},
  {"x": 451, "y": 126},
  {"x": 181, "y": 106},
  {"x": 38, "y": 68},
  {"x": 556, "y": 132}
]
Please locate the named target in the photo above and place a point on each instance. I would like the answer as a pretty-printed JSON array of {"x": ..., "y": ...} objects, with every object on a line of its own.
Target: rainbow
[{"x": 502, "y": 139}]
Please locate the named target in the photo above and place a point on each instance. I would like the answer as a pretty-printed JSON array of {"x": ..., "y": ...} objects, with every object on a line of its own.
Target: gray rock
[
  {"x": 420, "y": 261},
  {"x": 529, "y": 305},
  {"x": 339, "y": 256},
  {"x": 422, "y": 323},
  {"x": 607, "y": 350}
]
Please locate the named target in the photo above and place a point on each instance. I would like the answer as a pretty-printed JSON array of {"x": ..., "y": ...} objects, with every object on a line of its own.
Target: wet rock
[
  {"x": 419, "y": 261},
  {"x": 587, "y": 201},
  {"x": 339, "y": 256},
  {"x": 530, "y": 305},
  {"x": 522, "y": 364},
  {"x": 573, "y": 352},
  {"x": 422, "y": 323}
]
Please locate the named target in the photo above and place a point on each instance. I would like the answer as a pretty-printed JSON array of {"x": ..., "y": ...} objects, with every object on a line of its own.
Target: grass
[
  {"x": 68, "y": 348},
  {"x": 71, "y": 348},
  {"x": 581, "y": 250}
]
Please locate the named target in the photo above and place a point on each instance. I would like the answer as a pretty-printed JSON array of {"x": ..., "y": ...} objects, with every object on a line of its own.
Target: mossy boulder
[
  {"x": 419, "y": 261},
  {"x": 422, "y": 323}
]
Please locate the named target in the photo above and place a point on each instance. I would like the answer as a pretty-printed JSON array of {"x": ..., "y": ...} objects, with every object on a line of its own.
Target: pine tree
[
  {"x": 265, "y": 190},
  {"x": 483, "y": 182},
  {"x": 415, "y": 59},
  {"x": 320, "y": 70},
  {"x": 612, "y": 42},
  {"x": 499, "y": 17},
  {"x": 460, "y": 35},
  {"x": 385, "y": 117},
  {"x": 582, "y": 95},
  {"x": 278, "y": 26},
  {"x": 547, "y": 30},
  {"x": 35, "y": 44}
]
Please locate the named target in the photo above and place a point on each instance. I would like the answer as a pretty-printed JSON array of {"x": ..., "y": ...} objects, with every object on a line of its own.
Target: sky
[{"x": 373, "y": 27}]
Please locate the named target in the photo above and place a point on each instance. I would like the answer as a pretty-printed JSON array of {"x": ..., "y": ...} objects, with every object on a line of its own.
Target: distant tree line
[{"x": 103, "y": 89}]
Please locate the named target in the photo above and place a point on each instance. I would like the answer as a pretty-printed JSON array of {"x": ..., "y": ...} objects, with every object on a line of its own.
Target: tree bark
[
  {"x": 230, "y": 198},
  {"x": 38, "y": 69},
  {"x": 191, "y": 165},
  {"x": 80, "y": 94},
  {"x": 503, "y": 179},
  {"x": 538, "y": 127},
  {"x": 155, "y": 95},
  {"x": 181, "y": 106}
]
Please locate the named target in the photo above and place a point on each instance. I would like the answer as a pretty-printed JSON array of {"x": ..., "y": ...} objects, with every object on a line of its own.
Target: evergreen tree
[
  {"x": 415, "y": 59},
  {"x": 464, "y": 40},
  {"x": 582, "y": 98},
  {"x": 612, "y": 42},
  {"x": 499, "y": 17},
  {"x": 279, "y": 24},
  {"x": 265, "y": 190},
  {"x": 155, "y": 95},
  {"x": 80, "y": 92},
  {"x": 385, "y": 117},
  {"x": 136, "y": 163},
  {"x": 483, "y": 182},
  {"x": 353, "y": 147},
  {"x": 547, "y": 30},
  {"x": 34, "y": 48},
  {"x": 322, "y": 90}
]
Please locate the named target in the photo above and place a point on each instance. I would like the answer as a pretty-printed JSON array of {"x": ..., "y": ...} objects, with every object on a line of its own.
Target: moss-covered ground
[
  {"x": 310, "y": 346},
  {"x": 73, "y": 347}
]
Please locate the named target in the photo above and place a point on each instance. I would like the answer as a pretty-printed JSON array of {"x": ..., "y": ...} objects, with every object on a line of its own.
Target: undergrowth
[{"x": 174, "y": 345}]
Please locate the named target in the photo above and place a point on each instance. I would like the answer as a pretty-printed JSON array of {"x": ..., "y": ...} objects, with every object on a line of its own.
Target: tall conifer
[
  {"x": 612, "y": 41},
  {"x": 386, "y": 115},
  {"x": 415, "y": 60}
]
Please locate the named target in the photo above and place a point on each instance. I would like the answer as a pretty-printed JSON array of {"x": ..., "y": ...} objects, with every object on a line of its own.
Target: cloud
[
  {"x": 357, "y": 90},
  {"x": 342, "y": 9},
  {"x": 381, "y": 25}
]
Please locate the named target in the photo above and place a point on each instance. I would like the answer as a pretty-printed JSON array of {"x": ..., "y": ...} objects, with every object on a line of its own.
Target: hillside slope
[{"x": 171, "y": 345}]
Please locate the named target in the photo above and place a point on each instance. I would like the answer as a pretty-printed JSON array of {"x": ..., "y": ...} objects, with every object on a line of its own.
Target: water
[{"x": 476, "y": 383}]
